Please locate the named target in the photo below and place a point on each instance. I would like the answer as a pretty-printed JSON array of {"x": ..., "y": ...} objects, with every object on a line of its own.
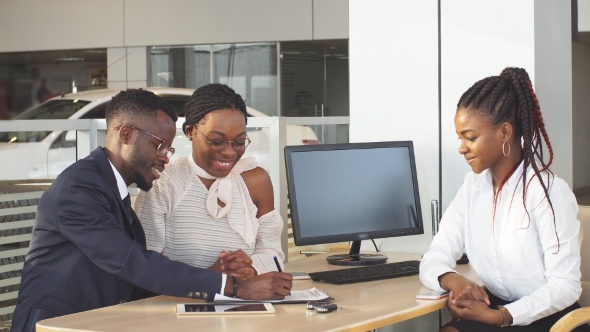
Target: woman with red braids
[{"x": 513, "y": 217}]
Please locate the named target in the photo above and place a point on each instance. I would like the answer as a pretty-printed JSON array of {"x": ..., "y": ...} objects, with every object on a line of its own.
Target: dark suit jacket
[{"x": 84, "y": 254}]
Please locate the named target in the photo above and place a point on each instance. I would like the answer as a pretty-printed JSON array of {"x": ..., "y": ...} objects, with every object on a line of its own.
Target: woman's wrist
[
  {"x": 446, "y": 280},
  {"x": 498, "y": 318},
  {"x": 506, "y": 316}
]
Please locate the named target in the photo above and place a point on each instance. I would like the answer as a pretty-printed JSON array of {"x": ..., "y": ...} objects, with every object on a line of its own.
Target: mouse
[{"x": 463, "y": 260}]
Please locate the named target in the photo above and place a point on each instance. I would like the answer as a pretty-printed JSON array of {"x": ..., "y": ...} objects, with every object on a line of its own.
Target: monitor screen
[{"x": 353, "y": 192}]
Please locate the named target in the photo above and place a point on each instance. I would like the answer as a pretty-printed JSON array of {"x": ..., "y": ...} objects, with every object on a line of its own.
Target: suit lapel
[
  {"x": 107, "y": 172},
  {"x": 134, "y": 229}
]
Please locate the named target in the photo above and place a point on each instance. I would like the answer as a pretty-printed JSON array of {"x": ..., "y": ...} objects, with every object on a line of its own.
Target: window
[{"x": 250, "y": 69}]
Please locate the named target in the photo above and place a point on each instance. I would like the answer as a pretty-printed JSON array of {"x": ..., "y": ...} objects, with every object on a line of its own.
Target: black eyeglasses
[
  {"x": 164, "y": 148},
  {"x": 219, "y": 145}
]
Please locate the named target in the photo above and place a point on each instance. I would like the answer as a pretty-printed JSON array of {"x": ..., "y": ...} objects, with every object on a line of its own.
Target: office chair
[{"x": 582, "y": 315}]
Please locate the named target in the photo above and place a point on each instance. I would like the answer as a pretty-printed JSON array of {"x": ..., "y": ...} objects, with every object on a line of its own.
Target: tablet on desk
[{"x": 224, "y": 309}]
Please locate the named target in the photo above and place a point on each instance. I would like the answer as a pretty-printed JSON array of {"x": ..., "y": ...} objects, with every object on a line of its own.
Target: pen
[{"x": 279, "y": 267}]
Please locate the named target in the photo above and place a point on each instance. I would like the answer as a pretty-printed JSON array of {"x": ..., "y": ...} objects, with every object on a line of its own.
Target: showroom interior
[{"x": 351, "y": 71}]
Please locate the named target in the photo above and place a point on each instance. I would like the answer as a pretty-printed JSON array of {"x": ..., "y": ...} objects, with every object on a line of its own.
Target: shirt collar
[
  {"x": 123, "y": 191},
  {"x": 485, "y": 180},
  {"x": 514, "y": 179}
]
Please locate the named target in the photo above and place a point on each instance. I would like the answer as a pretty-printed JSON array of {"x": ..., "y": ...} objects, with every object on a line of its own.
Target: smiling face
[
  {"x": 218, "y": 126},
  {"x": 144, "y": 162},
  {"x": 481, "y": 142}
]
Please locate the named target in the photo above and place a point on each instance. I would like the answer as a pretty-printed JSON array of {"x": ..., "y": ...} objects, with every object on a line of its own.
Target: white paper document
[{"x": 302, "y": 296}]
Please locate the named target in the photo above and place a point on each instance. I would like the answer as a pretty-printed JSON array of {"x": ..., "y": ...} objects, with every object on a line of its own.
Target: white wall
[
  {"x": 394, "y": 90},
  {"x": 31, "y": 25},
  {"x": 584, "y": 15},
  {"x": 553, "y": 80},
  {"x": 393, "y": 75},
  {"x": 473, "y": 47},
  {"x": 330, "y": 19},
  {"x": 581, "y": 116},
  {"x": 534, "y": 35},
  {"x": 221, "y": 21}
]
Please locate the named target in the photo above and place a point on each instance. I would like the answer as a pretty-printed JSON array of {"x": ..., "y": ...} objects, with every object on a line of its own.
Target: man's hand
[
  {"x": 462, "y": 288},
  {"x": 234, "y": 263},
  {"x": 267, "y": 286}
]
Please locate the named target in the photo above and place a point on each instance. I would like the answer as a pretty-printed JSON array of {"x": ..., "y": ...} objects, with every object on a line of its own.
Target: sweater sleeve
[
  {"x": 268, "y": 243},
  {"x": 152, "y": 208}
]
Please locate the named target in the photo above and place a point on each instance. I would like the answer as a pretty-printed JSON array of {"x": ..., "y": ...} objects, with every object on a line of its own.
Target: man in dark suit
[{"x": 88, "y": 247}]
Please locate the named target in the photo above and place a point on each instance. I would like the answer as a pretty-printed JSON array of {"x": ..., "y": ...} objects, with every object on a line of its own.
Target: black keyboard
[{"x": 367, "y": 273}]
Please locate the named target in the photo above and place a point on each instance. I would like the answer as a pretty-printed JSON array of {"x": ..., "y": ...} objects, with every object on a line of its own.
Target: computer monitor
[{"x": 353, "y": 192}]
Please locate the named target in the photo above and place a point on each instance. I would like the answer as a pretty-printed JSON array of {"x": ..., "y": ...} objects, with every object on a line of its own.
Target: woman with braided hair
[
  {"x": 513, "y": 217},
  {"x": 214, "y": 209}
]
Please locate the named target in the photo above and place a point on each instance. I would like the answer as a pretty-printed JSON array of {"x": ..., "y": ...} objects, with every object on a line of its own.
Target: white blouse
[
  {"x": 183, "y": 220},
  {"x": 517, "y": 257}
]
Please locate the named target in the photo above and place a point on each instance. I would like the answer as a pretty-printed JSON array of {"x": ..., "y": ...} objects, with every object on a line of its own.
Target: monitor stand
[{"x": 355, "y": 258}]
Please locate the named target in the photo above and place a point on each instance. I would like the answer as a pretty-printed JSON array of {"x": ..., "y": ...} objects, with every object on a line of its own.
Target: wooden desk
[{"x": 365, "y": 306}]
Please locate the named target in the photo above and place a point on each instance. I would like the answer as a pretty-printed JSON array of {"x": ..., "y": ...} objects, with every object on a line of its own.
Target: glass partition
[
  {"x": 250, "y": 69},
  {"x": 179, "y": 66},
  {"x": 315, "y": 79},
  {"x": 315, "y": 83},
  {"x": 27, "y": 79}
]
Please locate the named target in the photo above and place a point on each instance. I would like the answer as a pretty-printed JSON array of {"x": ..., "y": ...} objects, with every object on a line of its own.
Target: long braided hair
[
  {"x": 510, "y": 98},
  {"x": 209, "y": 98}
]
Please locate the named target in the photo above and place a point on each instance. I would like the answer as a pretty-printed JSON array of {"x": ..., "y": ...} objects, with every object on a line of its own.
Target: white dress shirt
[
  {"x": 124, "y": 191},
  {"x": 518, "y": 258}
]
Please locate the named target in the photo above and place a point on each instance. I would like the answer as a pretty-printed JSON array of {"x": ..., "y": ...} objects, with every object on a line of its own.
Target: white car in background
[{"x": 45, "y": 154}]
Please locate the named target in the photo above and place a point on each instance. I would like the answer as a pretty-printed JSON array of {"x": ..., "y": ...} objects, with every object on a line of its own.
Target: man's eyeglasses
[
  {"x": 164, "y": 148},
  {"x": 238, "y": 145}
]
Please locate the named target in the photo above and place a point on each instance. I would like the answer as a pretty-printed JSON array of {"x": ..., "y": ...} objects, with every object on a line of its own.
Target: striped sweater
[{"x": 181, "y": 222}]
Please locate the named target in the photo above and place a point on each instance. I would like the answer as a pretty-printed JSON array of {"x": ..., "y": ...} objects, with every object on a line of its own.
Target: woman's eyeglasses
[
  {"x": 238, "y": 145},
  {"x": 164, "y": 148}
]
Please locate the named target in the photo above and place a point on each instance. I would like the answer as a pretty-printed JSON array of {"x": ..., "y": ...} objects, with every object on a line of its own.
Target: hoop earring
[{"x": 504, "y": 150}]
